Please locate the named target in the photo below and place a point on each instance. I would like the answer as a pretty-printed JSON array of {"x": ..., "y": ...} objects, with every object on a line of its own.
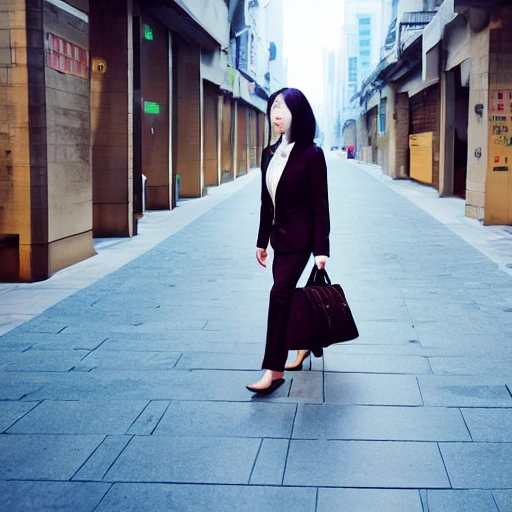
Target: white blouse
[{"x": 276, "y": 167}]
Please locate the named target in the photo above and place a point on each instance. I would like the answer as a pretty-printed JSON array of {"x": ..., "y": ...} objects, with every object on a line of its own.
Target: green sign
[
  {"x": 150, "y": 107},
  {"x": 148, "y": 33}
]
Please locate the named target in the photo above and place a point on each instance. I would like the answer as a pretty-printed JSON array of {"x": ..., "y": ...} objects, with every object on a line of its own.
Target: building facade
[
  {"x": 360, "y": 47},
  {"x": 109, "y": 108},
  {"x": 437, "y": 108}
]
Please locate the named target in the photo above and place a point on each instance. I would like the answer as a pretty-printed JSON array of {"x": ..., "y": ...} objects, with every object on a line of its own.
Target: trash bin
[
  {"x": 351, "y": 152},
  {"x": 178, "y": 186}
]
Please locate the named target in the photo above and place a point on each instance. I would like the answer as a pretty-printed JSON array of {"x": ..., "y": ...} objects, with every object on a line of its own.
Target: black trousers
[{"x": 286, "y": 270}]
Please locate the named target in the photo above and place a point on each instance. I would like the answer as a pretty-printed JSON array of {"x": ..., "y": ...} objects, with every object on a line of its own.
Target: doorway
[{"x": 460, "y": 147}]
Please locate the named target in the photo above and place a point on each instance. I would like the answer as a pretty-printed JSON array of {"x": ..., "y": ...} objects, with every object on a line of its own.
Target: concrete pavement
[{"x": 128, "y": 393}]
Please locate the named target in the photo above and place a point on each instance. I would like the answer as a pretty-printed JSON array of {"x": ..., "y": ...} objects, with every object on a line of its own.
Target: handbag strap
[{"x": 318, "y": 277}]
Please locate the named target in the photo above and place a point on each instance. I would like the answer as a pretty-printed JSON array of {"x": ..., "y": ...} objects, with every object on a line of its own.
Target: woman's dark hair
[{"x": 303, "y": 129}]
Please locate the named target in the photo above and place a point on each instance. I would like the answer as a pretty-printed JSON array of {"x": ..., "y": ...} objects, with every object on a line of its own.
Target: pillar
[
  {"x": 210, "y": 116},
  {"x": 112, "y": 117}
]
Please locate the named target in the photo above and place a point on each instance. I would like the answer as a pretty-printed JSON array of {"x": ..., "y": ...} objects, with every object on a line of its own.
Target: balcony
[{"x": 417, "y": 20}]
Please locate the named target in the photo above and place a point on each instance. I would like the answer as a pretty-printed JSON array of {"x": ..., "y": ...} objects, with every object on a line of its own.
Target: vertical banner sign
[
  {"x": 500, "y": 124},
  {"x": 66, "y": 57}
]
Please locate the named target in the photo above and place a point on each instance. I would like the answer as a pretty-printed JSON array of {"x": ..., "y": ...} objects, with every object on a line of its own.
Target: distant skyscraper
[{"x": 360, "y": 52}]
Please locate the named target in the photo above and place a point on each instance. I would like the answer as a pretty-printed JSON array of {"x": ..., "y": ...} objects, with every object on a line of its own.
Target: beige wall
[
  {"x": 498, "y": 193},
  {"x": 228, "y": 139},
  {"x": 69, "y": 181},
  {"x": 242, "y": 140},
  {"x": 112, "y": 117},
  {"x": 477, "y": 125},
  {"x": 15, "y": 201},
  {"x": 45, "y": 179}
]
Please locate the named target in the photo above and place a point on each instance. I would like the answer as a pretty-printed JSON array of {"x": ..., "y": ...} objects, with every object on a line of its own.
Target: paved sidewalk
[{"x": 129, "y": 392}]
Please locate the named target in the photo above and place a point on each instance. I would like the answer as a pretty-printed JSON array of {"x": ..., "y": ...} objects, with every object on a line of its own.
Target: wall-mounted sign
[
  {"x": 148, "y": 33},
  {"x": 66, "y": 57},
  {"x": 500, "y": 129},
  {"x": 150, "y": 107}
]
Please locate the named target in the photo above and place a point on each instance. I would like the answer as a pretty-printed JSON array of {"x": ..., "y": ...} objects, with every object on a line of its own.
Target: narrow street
[{"x": 132, "y": 390}]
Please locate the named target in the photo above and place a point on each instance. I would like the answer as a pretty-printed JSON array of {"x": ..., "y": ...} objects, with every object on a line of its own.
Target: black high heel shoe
[{"x": 298, "y": 367}]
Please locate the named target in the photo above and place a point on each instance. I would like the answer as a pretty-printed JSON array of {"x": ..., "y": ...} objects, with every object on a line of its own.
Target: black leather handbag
[{"x": 319, "y": 315}]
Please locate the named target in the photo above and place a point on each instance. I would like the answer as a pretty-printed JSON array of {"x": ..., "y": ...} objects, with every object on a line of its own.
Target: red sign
[{"x": 66, "y": 57}]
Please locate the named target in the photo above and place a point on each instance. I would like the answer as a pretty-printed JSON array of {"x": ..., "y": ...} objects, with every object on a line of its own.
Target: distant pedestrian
[{"x": 294, "y": 217}]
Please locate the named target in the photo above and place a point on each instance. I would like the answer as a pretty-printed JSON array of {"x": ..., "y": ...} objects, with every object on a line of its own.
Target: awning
[
  {"x": 211, "y": 15},
  {"x": 432, "y": 36},
  {"x": 199, "y": 22}
]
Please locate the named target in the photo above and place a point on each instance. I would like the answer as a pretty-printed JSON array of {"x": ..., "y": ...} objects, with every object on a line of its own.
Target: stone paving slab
[
  {"x": 10, "y": 412},
  {"x": 137, "y": 385},
  {"x": 489, "y": 425},
  {"x": 413, "y": 348},
  {"x": 42, "y": 360},
  {"x": 364, "y": 500},
  {"x": 80, "y": 417},
  {"x": 226, "y": 460},
  {"x": 146, "y": 423},
  {"x": 468, "y": 365},
  {"x": 463, "y": 326},
  {"x": 503, "y": 500},
  {"x": 478, "y": 465},
  {"x": 207, "y": 498},
  {"x": 463, "y": 501},
  {"x": 177, "y": 341},
  {"x": 128, "y": 361},
  {"x": 385, "y": 309},
  {"x": 402, "y": 365},
  {"x": 97, "y": 465},
  {"x": 365, "y": 464},
  {"x": 371, "y": 389},
  {"x": 478, "y": 345},
  {"x": 44, "y": 457},
  {"x": 271, "y": 461},
  {"x": 219, "y": 361},
  {"x": 79, "y": 341},
  {"x": 464, "y": 391},
  {"x": 379, "y": 423},
  {"x": 227, "y": 419},
  {"x": 14, "y": 345},
  {"x": 23, "y": 496},
  {"x": 382, "y": 332},
  {"x": 306, "y": 387}
]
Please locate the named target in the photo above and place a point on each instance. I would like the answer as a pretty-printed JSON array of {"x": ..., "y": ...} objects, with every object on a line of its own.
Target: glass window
[
  {"x": 352, "y": 69},
  {"x": 364, "y": 42},
  {"x": 382, "y": 115},
  {"x": 364, "y": 53},
  {"x": 364, "y": 32},
  {"x": 364, "y": 21}
]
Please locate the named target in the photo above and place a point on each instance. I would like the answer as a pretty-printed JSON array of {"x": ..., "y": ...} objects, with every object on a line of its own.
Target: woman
[{"x": 294, "y": 217}]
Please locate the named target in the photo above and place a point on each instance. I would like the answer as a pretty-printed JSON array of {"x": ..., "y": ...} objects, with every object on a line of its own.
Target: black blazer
[{"x": 300, "y": 220}]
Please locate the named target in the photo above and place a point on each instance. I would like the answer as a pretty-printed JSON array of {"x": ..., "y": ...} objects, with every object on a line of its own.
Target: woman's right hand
[{"x": 261, "y": 256}]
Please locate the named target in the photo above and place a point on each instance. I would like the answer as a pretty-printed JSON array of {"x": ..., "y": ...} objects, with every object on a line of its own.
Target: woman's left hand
[{"x": 320, "y": 261}]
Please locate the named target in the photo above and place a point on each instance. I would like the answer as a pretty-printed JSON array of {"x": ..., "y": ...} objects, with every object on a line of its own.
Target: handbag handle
[{"x": 318, "y": 277}]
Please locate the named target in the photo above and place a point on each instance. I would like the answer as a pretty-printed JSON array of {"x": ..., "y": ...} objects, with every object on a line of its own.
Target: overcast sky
[{"x": 309, "y": 27}]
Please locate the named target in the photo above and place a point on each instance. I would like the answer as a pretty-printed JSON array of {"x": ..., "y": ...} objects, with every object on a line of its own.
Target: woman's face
[{"x": 280, "y": 115}]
